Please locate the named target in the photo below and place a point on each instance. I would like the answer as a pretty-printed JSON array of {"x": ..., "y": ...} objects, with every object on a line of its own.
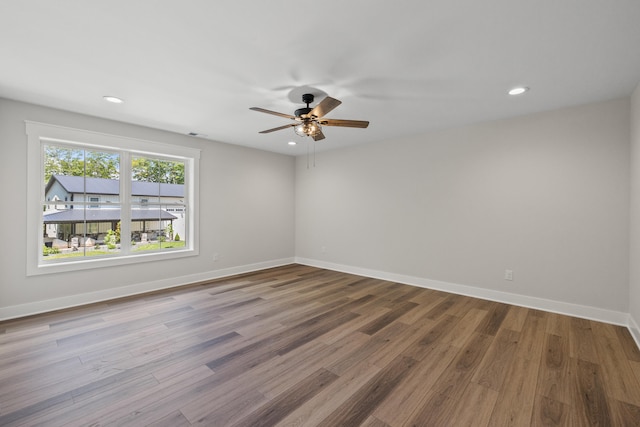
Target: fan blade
[
  {"x": 275, "y": 113},
  {"x": 278, "y": 128},
  {"x": 318, "y": 137},
  {"x": 324, "y": 107},
  {"x": 344, "y": 123}
]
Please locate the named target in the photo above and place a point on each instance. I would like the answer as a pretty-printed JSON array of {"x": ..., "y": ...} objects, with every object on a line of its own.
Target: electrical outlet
[
  {"x": 215, "y": 257},
  {"x": 324, "y": 249},
  {"x": 508, "y": 275}
]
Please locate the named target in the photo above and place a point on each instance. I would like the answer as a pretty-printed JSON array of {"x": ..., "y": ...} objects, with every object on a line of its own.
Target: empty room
[{"x": 372, "y": 214}]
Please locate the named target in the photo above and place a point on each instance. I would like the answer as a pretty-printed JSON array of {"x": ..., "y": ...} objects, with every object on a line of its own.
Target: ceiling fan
[{"x": 309, "y": 121}]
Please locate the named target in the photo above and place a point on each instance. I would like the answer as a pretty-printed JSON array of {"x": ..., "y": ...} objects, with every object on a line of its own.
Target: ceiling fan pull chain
[
  {"x": 307, "y": 155},
  {"x": 314, "y": 153}
]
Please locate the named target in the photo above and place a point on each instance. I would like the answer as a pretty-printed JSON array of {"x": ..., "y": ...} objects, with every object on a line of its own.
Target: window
[{"x": 126, "y": 200}]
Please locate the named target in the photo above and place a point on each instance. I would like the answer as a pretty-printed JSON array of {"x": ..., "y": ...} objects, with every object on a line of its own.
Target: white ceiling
[{"x": 406, "y": 66}]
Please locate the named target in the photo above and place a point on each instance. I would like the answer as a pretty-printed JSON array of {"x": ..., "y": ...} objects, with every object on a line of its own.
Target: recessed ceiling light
[
  {"x": 292, "y": 143},
  {"x": 518, "y": 90},
  {"x": 113, "y": 99}
]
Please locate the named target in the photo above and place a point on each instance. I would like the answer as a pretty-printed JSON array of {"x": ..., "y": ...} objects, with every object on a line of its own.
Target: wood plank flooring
[{"x": 302, "y": 346}]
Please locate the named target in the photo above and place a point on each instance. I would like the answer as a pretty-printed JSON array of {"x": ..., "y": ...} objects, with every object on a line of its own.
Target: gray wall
[
  {"x": 544, "y": 195},
  {"x": 634, "y": 260},
  {"x": 246, "y": 215}
]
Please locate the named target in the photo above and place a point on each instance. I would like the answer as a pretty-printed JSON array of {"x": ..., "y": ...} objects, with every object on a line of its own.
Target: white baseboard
[
  {"x": 585, "y": 312},
  {"x": 635, "y": 330},
  {"x": 22, "y": 310}
]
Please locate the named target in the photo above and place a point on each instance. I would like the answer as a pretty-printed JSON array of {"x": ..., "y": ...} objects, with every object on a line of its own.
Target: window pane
[
  {"x": 158, "y": 204},
  {"x": 80, "y": 231},
  {"x": 156, "y": 180},
  {"x": 153, "y": 228},
  {"x": 149, "y": 169},
  {"x": 100, "y": 168},
  {"x": 82, "y": 202}
]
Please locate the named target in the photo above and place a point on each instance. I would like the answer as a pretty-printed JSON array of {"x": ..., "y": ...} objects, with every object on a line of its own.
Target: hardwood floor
[{"x": 301, "y": 346}]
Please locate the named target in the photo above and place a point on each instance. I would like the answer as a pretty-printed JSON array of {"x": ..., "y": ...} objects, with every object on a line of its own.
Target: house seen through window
[{"x": 91, "y": 224}]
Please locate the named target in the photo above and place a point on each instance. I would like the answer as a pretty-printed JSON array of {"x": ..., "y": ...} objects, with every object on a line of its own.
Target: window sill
[{"x": 93, "y": 263}]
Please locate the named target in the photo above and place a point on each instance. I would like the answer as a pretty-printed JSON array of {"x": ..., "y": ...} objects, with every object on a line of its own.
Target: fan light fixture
[{"x": 308, "y": 128}]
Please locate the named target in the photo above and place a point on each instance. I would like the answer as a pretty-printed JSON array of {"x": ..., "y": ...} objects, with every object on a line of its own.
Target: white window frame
[{"x": 39, "y": 134}]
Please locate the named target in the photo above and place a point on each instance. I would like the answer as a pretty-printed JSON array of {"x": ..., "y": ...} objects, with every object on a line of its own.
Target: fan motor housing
[
  {"x": 302, "y": 111},
  {"x": 307, "y": 98}
]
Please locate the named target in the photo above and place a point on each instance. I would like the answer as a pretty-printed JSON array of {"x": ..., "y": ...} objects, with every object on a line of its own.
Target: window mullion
[{"x": 125, "y": 202}]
